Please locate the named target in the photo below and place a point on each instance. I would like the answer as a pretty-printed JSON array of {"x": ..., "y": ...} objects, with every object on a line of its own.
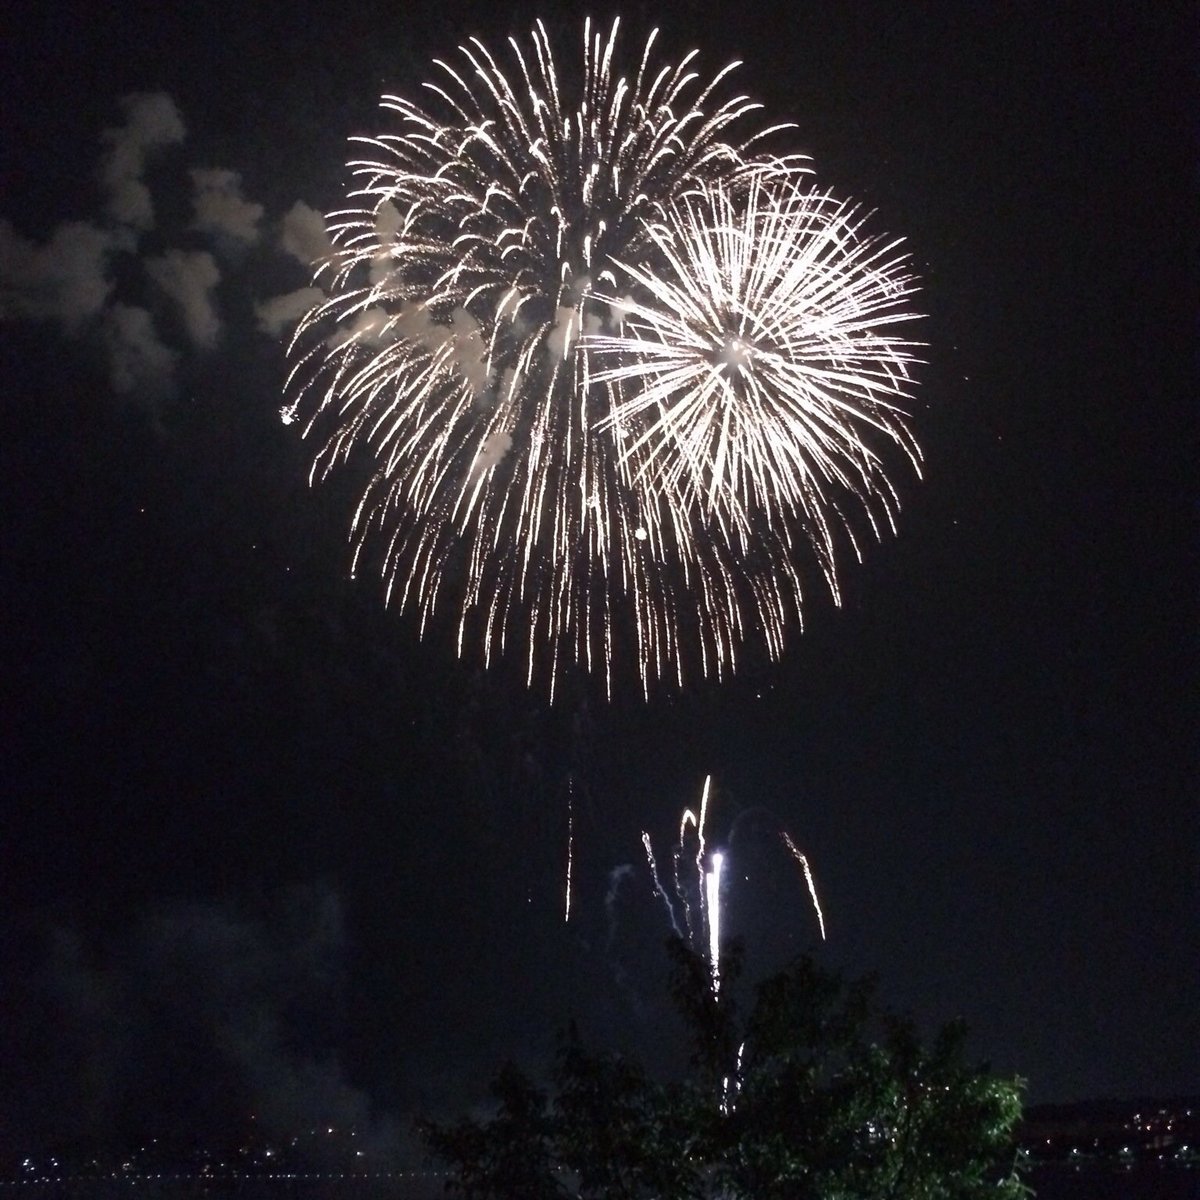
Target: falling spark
[
  {"x": 570, "y": 849},
  {"x": 808, "y": 878}
]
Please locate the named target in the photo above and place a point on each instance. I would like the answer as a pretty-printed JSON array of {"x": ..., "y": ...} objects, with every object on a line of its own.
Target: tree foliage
[{"x": 815, "y": 1093}]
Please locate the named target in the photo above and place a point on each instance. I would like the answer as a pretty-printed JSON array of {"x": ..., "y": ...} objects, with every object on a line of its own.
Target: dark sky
[{"x": 262, "y": 848}]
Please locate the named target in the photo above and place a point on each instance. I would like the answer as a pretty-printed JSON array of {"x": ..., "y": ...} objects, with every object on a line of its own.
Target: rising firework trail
[
  {"x": 561, "y": 465},
  {"x": 712, "y": 898}
]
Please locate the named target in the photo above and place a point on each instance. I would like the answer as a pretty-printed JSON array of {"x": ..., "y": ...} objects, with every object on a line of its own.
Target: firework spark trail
[
  {"x": 676, "y": 856},
  {"x": 659, "y": 890},
  {"x": 570, "y": 850},
  {"x": 808, "y": 878},
  {"x": 709, "y": 883},
  {"x": 731, "y": 1089},
  {"x": 697, "y": 823},
  {"x": 686, "y": 820},
  {"x": 702, "y": 878},
  {"x": 493, "y": 343}
]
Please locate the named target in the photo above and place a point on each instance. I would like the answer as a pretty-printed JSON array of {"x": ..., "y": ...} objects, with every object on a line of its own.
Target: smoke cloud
[
  {"x": 64, "y": 280},
  {"x": 565, "y": 332},
  {"x": 203, "y": 1014},
  {"x": 188, "y": 278},
  {"x": 616, "y": 877},
  {"x": 495, "y": 447},
  {"x": 151, "y": 122},
  {"x": 303, "y": 235},
  {"x": 220, "y": 206},
  {"x": 371, "y": 325},
  {"x": 93, "y": 277},
  {"x": 138, "y": 361},
  {"x": 282, "y": 312}
]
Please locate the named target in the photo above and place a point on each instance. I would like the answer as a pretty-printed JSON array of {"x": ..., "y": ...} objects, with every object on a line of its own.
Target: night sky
[{"x": 263, "y": 850}]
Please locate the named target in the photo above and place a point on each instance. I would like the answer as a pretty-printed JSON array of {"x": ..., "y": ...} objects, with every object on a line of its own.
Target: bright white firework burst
[
  {"x": 507, "y": 238},
  {"x": 759, "y": 361}
]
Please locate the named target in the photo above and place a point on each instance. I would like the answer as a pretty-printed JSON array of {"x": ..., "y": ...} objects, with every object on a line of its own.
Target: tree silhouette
[{"x": 816, "y": 1093}]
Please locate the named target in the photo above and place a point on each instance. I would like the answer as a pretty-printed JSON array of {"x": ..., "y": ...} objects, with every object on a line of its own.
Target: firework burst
[
  {"x": 759, "y": 359},
  {"x": 489, "y": 346}
]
